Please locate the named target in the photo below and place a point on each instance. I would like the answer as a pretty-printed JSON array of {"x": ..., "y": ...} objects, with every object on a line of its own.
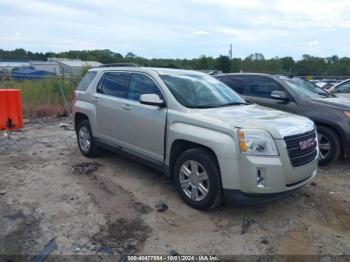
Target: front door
[
  {"x": 143, "y": 127},
  {"x": 259, "y": 89}
]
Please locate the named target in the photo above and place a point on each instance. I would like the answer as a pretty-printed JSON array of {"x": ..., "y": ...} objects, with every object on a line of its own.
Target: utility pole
[{"x": 230, "y": 52}]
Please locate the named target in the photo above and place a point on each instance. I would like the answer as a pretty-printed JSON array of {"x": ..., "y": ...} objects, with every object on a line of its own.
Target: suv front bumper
[
  {"x": 237, "y": 197},
  {"x": 241, "y": 177}
]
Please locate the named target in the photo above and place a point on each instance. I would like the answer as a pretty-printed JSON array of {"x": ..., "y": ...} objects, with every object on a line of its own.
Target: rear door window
[
  {"x": 141, "y": 85},
  {"x": 114, "y": 84},
  {"x": 86, "y": 81},
  {"x": 259, "y": 86},
  {"x": 235, "y": 82}
]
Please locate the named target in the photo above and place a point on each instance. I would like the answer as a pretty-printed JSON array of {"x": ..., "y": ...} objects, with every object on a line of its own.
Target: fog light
[{"x": 260, "y": 177}]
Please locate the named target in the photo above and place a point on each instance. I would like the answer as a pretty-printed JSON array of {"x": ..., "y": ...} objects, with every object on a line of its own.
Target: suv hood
[
  {"x": 279, "y": 124},
  {"x": 341, "y": 103}
]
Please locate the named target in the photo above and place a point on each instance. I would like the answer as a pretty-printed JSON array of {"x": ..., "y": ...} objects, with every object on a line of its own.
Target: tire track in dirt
[{"x": 125, "y": 231}]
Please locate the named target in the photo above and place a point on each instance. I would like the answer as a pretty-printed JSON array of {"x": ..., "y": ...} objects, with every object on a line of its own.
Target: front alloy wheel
[
  {"x": 329, "y": 145},
  {"x": 197, "y": 178},
  {"x": 324, "y": 145},
  {"x": 194, "y": 180}
]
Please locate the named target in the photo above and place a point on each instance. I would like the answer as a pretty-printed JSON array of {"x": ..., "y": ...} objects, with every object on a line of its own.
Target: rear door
[
  {"x": 109, "y": 100},
  {"x": 143, "y": 129},
  {"x": 259, "y": 89}
]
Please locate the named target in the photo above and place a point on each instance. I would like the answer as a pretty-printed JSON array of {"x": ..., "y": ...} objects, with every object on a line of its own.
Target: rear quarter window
[{"x": 86, "y": 81}]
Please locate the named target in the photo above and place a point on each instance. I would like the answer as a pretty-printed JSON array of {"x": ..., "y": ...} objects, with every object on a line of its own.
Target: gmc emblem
[{"x": 307, "y": 143}]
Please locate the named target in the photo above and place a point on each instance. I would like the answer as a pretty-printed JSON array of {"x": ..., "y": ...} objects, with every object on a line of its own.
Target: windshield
[
  {"x": 200, "y": 91},
  {"x": 305, "y": 88}
]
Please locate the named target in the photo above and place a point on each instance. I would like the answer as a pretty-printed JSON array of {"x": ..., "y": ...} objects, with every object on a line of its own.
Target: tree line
[{"x": 307, "y": 65}]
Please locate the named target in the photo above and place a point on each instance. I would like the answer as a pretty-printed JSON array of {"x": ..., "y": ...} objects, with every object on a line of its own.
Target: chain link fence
[{"x": 42, "y": 96}]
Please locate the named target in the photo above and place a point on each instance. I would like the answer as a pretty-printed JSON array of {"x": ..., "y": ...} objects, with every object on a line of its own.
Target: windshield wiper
[
  {"x": 232, "y": 104},
  {"x": 216, "y": 106},
  {"x": 194, "y": 107},
  {"x": 326, "y": 95}
]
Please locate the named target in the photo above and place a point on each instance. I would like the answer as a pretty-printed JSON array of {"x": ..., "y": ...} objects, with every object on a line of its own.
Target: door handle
[
  {"x": 95, "y": 99},
  {"x": 126, "y": 107}
]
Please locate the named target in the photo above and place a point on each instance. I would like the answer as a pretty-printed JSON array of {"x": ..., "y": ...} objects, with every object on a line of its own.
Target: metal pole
[{"x": 64, "y": 97}]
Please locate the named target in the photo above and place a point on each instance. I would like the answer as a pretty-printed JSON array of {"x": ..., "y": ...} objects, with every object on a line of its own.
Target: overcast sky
[{"x": 179, "y": 29}]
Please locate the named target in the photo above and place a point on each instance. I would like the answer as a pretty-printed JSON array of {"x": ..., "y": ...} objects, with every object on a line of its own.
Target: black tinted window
[
  {"x": 236, "y": 83},
  {"x": 262, "y": 87},
  {"x": 86, "y": 80},
  {"x": 140, "y": 85},
  {"x": 114, "y": 84}
]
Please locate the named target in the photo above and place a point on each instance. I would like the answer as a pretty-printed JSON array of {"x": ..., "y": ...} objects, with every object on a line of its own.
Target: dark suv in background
[{"x": 295, "y": 95}]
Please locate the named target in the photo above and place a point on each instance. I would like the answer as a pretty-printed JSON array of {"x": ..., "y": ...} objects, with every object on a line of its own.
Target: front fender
[{"x": 222, "y": 144}]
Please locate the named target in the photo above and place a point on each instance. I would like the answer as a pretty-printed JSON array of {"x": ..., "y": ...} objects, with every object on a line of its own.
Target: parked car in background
[
  {"x": 291, "y": 94},
  {"x": 342, "y": 89},
  {"x": 323, "y": 85},
  {"x": 196, "y": 130}
]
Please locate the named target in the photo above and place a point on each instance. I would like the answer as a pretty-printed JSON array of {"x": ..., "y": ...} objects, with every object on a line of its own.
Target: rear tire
[
  {"x": 197, "y": 179},
  {"x": 329, "y": 145},
  {"x": 86, "y": 142}
]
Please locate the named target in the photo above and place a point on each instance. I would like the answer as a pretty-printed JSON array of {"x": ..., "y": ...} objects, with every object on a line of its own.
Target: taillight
[{"x": 73, "y": 99}]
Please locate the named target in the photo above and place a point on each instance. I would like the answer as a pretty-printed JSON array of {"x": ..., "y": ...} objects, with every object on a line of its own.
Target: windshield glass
[
  {"x": 304, "y": 88},
  {"x": 200, "y": 91}
]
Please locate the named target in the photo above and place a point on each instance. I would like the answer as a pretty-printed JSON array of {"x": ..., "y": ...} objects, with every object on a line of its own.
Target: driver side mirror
[
  {"x": 152, "y": 100},
  {"x": 280, "y": 95}
]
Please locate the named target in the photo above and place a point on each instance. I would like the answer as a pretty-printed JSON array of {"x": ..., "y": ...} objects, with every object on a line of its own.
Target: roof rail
[
  {"x": 120, "y": 65},
  {"x": 214, "y": 72}
]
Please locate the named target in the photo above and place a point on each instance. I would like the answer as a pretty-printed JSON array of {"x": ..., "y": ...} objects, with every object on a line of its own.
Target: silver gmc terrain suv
[{"x": 197, "y": 131}]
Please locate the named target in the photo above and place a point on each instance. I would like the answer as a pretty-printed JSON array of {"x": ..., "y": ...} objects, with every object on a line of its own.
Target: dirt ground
[{"x": 106, "y": 205}]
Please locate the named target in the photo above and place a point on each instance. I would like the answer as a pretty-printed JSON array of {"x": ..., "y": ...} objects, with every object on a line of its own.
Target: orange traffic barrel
[{"x": 10, "y": 109}]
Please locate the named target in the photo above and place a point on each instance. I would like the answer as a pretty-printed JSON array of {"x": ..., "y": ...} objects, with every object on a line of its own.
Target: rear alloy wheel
[
  {"x": 85, "y": 139},
  {"x": 329, "y": 145},
  {"x": 197, "y": 179}
]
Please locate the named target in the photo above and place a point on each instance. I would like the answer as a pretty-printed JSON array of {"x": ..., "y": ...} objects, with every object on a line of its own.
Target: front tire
[
  {"x": 86, "y": 142},
  {"x": 197, "y": 179},
  {"x": 329, "y": 145}
]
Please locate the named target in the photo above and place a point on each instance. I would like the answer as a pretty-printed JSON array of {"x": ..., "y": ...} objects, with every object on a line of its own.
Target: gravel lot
[{"x": 106, "y": 205}]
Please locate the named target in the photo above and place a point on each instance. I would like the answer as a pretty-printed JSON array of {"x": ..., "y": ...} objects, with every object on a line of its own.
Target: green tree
[
  {"x": 308, "y": 65},
  {"x": 202, "y": 63},
  {"x": 223, "y": 63}
]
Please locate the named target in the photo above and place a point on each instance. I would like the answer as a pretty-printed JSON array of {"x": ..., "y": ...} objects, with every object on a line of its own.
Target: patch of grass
[{"x": 43, "y": 98}]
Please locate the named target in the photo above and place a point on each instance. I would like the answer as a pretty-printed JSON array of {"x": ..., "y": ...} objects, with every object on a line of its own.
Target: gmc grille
[{"x": 298, "y": 156}]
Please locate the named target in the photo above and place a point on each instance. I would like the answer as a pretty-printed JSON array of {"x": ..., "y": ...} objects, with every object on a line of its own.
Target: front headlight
[{"x": 257, "y": 142}]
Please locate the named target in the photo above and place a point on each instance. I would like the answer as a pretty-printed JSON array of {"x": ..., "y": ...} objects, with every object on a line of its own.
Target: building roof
[
  {"x": 79, "y": 63},
  {"x": 43, "y": 63},
  {"x": 13, "y": 64}
]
